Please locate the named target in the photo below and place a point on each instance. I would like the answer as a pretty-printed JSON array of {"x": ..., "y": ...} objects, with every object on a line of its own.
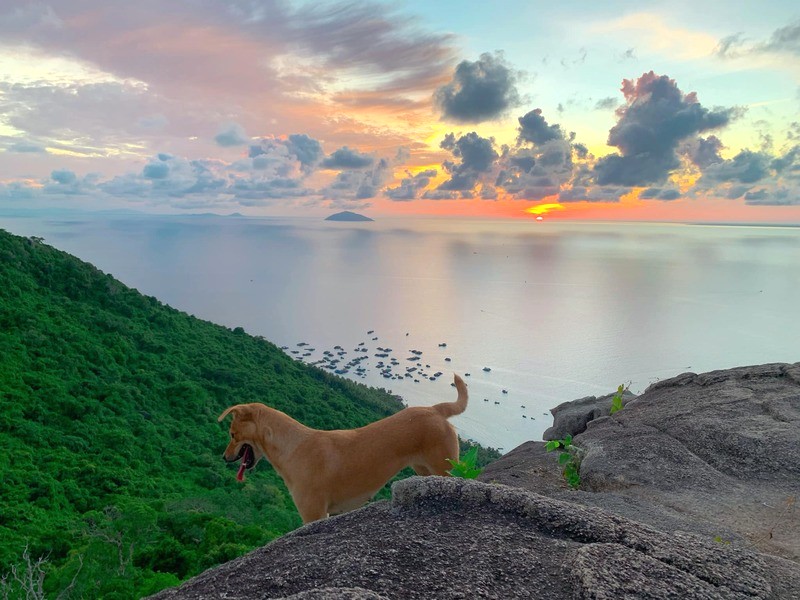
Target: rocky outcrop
[
  {"x": 687, "y": 493},
  {"x": 717, "y": 454},
  {"x": 573, "y": 417}
]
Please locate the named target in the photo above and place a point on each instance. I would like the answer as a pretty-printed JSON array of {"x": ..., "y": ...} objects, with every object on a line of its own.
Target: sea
[{"x": 531, "y": 314}]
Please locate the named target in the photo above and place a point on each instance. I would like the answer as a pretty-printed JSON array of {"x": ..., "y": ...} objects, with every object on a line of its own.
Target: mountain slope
[{"x": 110, "y": 451}]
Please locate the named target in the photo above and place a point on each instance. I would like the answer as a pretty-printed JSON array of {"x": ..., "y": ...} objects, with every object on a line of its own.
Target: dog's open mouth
[{"x": 248, "y": 460}]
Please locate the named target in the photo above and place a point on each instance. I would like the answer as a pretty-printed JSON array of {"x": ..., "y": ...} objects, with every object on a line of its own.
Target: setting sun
[{"x": 543, "y": 209}]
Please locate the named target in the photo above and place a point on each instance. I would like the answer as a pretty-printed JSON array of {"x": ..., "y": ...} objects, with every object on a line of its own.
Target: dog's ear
[{"x": 236, "y": 410}]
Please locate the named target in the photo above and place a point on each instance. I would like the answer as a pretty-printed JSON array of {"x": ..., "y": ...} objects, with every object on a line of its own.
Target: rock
[
  {"x": 338, "y": 593},
  {"x": 572, "y": 417},
  {"x": 688, "y": 492},
  {"x": 453, "y": 538}
]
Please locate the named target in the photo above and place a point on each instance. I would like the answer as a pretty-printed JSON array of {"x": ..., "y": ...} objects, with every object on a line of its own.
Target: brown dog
[{"x": 330, "y": 472}]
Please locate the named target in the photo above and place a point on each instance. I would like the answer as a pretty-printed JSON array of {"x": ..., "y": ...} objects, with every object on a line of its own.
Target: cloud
[
  {"x": 746, "y": 167},
  {"x": 542, "y": 161},
  {"x": 66, "y": 183},
  {"x": 282, "y": 157},
  {"x": 18, "y": 191},
  {"x": 352, "y": 187},
  {"x": 777, "y": 197},
  {"x": 595, "y": 193},
  {"x": 788, "y": 163},
  {"x": 660, "y": 194},
  {"x": 533, "y": 128},
  {"x": 173, "y": 73},
  {"x": 307, "y": 150},
  {"x": 655, "y": 120},
  {"x": 64, "y": 176},
  {"x": 609, "y": 103},
  {"x": 760, "y": 177},
  {"x": 367, "y": 36},
  {"x": 411, "y": 186},
  {"x": 480, "y": 91},
  {"x": 25, "y": 147},
  {"x": 730, "y": 46},
  {"x": 785, "y": 39},
  {"x": 476, "y": 155},
  {"x": 231, "y": 134},
  {"x": 347, "y": 158},
  {"x": 704, "y": 151}
]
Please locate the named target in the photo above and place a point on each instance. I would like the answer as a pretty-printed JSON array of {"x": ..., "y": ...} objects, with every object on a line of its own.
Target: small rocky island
[
  {"x": 347, "y": 215},
  {"x": 689, "y": 491}
]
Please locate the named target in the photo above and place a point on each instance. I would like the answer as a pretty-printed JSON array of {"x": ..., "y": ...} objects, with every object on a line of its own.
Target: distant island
[{"x": 347, "y": 215}]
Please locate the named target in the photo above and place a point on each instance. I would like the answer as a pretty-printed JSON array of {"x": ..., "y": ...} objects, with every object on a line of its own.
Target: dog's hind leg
[{"x": 421, "y": 470}]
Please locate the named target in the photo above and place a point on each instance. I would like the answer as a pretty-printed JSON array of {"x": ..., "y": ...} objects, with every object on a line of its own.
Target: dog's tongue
[{"x": 243, "y": 465}]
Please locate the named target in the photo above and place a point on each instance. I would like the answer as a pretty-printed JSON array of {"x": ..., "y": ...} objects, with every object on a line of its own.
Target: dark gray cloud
[
  {"x": 746, "y": 167},
  {"x": 730, "y": 46},
  {"x": 411, "y": 186},
  {"x": 541, "y": 163},
  {"x": 655, "y": 193},
  {"x": 63, "y": 176},
  {"x": 656, "y": 119},
  {"x": 609, "y": 103},
  {"x": 347, "y": 158},
  {"x": 440, "y": 194},
  {"x": 480, "y": 91},
  {"x": 230, "y": 135},
  {"x": 358, "y": 184},
  {"x": 788, "y": 163},
  {"x": 476, "y": 155},
  {"x": 66, "y": 183},
  {"x": 523, "y": 161},
  {"x": 776, "y": 197},
  {"x": 704, "y": 151},
  {"x": 785, "y": 39},
  {"x": 156, "y": 170},
  {"x": 533, "y": 128},
  {"x": 581, "y": 193},
  {"x": 307, "y": 150}
]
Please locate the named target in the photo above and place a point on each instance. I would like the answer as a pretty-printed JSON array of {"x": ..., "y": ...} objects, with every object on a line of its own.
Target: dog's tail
[{"x": 448, "y": 409}]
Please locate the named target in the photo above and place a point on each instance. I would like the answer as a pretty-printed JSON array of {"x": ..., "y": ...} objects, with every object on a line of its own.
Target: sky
[{"x": 686, "y": 111}]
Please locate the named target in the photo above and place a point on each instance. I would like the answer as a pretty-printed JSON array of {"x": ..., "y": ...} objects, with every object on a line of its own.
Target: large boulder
[
  {"x": 688, "y": 492},
  {"x": 453, "y": 538}
]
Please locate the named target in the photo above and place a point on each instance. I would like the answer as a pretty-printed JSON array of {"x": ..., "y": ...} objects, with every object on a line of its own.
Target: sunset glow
[{"x": 273, "y": 108}]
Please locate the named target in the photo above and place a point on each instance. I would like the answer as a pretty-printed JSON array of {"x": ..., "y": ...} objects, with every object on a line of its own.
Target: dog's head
[{"x": 245, "y": 442}]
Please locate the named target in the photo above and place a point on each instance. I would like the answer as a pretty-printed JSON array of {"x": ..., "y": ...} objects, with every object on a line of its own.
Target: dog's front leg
[{"x": 311, "y": 509}]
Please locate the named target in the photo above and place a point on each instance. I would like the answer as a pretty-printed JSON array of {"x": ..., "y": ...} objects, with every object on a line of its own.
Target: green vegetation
[
  {"x": 569, "y": 459},
  {"x": 616, "y": 401},
  {"x": 466, "y": 468},
  {"x": 110, "y": 452}
]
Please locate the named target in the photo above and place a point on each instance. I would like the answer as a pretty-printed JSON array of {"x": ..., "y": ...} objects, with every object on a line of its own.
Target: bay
[{"x": 555, "y": 310}]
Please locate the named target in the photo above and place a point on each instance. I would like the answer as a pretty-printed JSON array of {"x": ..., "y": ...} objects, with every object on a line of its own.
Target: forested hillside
[{"x": 110, "y": 450}]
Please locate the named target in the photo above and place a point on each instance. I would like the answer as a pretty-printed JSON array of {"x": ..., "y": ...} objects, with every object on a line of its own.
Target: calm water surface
[{"x": 557, "y": 311}]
